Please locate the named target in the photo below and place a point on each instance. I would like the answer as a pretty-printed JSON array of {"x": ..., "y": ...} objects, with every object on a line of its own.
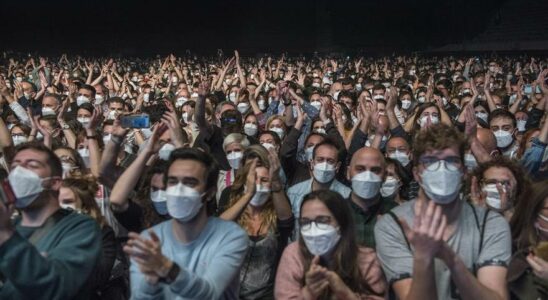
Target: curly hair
[
  {"x": 84, "y": 189},
  {"x": 438, "y": 137}
]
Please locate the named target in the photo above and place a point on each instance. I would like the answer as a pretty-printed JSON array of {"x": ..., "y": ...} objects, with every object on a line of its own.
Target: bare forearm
[
  {"x": 233, "y": 212},
  {"x": 281, "y": 204},
  {"x": 126, "y": 183},
  {"x": 424, "y": 281},
  {"x": 469, "y": 286}
]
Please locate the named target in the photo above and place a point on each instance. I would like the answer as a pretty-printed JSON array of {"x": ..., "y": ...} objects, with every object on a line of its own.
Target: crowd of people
[{"x": 321, "y": 177}]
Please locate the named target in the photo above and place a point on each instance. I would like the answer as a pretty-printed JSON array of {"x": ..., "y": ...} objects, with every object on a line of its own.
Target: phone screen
[{"x": 135, "y": 121}]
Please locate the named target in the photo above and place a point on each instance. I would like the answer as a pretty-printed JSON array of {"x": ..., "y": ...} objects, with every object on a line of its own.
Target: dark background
[{"x": 147, "y": 27}]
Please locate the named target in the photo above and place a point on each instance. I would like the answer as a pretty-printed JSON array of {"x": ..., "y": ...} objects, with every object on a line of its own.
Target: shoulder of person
[{"x": 227, "y": 228}]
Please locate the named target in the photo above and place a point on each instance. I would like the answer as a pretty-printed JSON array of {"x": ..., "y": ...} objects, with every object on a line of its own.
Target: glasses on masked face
[
  {"x": 433, "y": 163},
  {"x": 321, "y": 222}
]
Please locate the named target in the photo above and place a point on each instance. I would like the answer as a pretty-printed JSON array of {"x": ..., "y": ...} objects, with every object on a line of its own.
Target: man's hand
[
  {"x": 426, "y": 236},
  {"x": 147, "y": 253},
  {"x": 539, "y": 265},
  {"x": 175, "y": 131}
]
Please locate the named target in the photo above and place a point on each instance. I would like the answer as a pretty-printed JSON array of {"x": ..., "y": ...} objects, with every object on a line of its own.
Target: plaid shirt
[{"x": 365, "y": 220}]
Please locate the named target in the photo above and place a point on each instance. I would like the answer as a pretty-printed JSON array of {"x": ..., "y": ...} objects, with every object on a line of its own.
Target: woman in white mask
[
  {"x": 71, "y": 161},
  {"x": 276, "y": 124},
  {"x": 499, "y": 185},
  {"x": 258, "y": 203},
  {"x": 528, "y": 269},
  {"x": 19, "y": 134},
  {"x": 313, "y": 266},
  {"x": 428, "y": 114},
  {"x": 79, "y": 194},
  {"x": 234, "y": 146},
  {"x": 251, "y": 125}
]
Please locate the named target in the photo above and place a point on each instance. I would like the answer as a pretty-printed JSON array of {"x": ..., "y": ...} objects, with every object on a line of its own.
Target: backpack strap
[{"x": 391, "y": 214}]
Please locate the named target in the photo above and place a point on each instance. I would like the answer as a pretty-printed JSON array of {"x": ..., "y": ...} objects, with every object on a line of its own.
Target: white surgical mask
[
  {"x": 112, "y": 115},
  {"x": 99, "y": 99},
  {"x": 159, "y": 201},
  {"x": 234, "y": 159},
  {"x": 309, "y": 152},
  {"x": 70, "y": 206},
  {"x": 316, "y": 104},
  {"x": 250, "y": 129},
  {"x": 183, "y": 202},
  {"x": 520, "y": 124},
  {"x": 19, "y": 139},
  {"x": 482, "y": 116},
  {"x": 320, "y": 130},
  {"x": 262, "y": 104},
  {"x": 402, "y": 157},
  {"x": 279, "y": 131},
  {"x": 504, "y": 138},
  {"x": 47, "y": 111},
  {"x": 366, "y": 184},
  {"x": 83, "y": 120},
  {"x": 378, "y": 97},
  {"x": 389, "y": 187},
  {"x": 268, "y": 146},
  {"x": 421, "y": 99},
  {"x": 81, "y": 100},
  {"x": 26, "y": 186},
  {"x": 405, "y": 104},
  {"x": 165, "y": 151},
  {"x": 320, "y": 241},
  {"x": 470, "y": 161},
  {"x": 232, "y": 96},
  {"x": 84, "y": 153},
  {"x": 324, "y": 172},
  {"x": 424, "y": 120},
  {"x": 441, "y": 183},
  {"x": 336, "y": 95},
  {"x": 492, "y": 196},
  {"x": 146, "y": 97},
  {"x": 180, "y": 101},
  {"x": 261, "y": 196},
  {"x": 243, "y": 107}
]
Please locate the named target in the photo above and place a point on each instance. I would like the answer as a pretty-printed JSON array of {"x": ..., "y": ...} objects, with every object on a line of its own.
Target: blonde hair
[
  {"x": 235, "y": 138},
  {"x": 85, "y": 189},
  {"x": 275, "y": 117},
  {"x": 268, "y": 213}
]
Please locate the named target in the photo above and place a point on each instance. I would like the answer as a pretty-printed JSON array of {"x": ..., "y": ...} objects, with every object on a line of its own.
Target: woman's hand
[
  {"x": 539, "y": 265},
  {"x": 251, "y": 179},
  {"x": 316, "y": 279}
]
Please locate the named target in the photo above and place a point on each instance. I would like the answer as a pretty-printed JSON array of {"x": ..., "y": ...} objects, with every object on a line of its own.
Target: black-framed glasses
[
  {"x": 321, "y": 222},
  {"x": 433, "y": 163}
]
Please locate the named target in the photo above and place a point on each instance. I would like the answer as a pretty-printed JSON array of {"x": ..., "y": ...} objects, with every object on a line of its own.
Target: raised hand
[
  {"x": 251, "y": 178},
  {"x": 175, "y": 131},
  {"x": 147, "y": 253},
  {"x": 316, "y": 280}
]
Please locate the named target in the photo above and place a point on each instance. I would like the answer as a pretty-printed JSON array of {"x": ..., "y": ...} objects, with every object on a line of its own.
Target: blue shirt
[{"x": 209, "y": 265}]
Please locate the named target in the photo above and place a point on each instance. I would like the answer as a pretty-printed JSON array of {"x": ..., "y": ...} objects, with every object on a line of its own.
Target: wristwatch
[
  {"x": 65, "y": 126},
  {"x": 171, "y": 275}
]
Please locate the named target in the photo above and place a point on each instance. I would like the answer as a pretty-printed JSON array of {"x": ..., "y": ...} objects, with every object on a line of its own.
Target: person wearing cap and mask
[
  {"x": 323, "y": 168},
  {"x": 367, "y": 172},
  {"x": 45, "y": 246},
  {"x": 428, "y": 246},
  {"x": 191, "y": 256}
]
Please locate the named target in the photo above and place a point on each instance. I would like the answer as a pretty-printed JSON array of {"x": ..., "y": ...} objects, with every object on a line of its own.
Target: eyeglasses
[
  {"x": 432, "y": 163},
  {"x": 505, "y": 183},
  {"x": 321, "y": 221}
]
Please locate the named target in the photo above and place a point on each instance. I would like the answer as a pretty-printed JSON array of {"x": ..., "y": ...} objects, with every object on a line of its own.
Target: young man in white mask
[
  {"x": 323, "y": 168},
  {"x": 192, "y": 256},
  {"x": 367, "y": 172},
  {"x": 439, "y": 246},
  {"x": 503, "y": 125},
  {"x": 45, "y": 247}
]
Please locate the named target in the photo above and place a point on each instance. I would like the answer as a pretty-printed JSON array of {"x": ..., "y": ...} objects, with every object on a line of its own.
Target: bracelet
[
  {"x": 91, "y": 137},
  {"x": 172, "y": 274}
]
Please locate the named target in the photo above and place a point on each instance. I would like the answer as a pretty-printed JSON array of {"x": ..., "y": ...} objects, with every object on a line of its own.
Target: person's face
[
  {"x": 27, "y": 88},
  {"x": 262, "y": 177},
  {"x": 366, "y": 161},
  {"x": 381, "y": 107},
  {"x": 251, "y": 119},
  {"x": 234, "y": 147},
  {"x": 46, "y": 126},
  {"x": 313, "y": 140},
  {"x": 188, "y": 172},
  {"x": 67, "y": 197},
  {"x": 502, "y": 176},
  {"x": 83, "y": 113},
  {"x": 315, "y": 97},
  {"x": 521, "y": 116},
  {"x": 107, "y": 129},
  {"x": 480, "y": 109},
  {"x": 314, "y": 209},
  {"x": 391, "y": 171},
  {"x": 50, "y": 102},
  {"x": 430, "y": 112},
  {"x": 16, "y": 130},
  {"x": 326, "y": 154},
  {"x": 347, "y": 87},
  {"x": 449, "y": 154},
  {"x": 398, "y": 144},
  {"x": 405, "y": 97},
  {"x": 317, "y": 125},
  {"x": 378, "y": 92},
  {"x": 65, "y": 156},
  {"x": 157, "y": 182},
  {"x": 85, "y": 92},
  {"x": 502, "y": 124},
  {"x": 542, "y": 223},
  {"x": 117, "y": 107},
  {"x": 276, "y": 123},
  {"x": 37, "y": 162},
  {"x": 347, "y": 101},
  {"x": 267, "y": 138}
]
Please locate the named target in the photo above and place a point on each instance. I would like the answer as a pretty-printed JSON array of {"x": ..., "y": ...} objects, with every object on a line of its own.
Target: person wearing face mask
[
  {"x": 277, "y": 125},
  {"x": 395, "y": 186},
  {"x": 85, "y": 94},
  {"x": 427, "y": 246},
  {"x": 39, "y": 247},
  {"x": 258, "y": 203},
  {"x": 503, "y": 125},
  {"x": 313, "y": 266},
  {"x": 234, "y": 146},
  {"x": 178, "y": 249},
  {"x": 500, "y": 185},
  {"x": 19, "y": 134},
  {"x": 527, "y": 273},
  {"x": 323, "y": 168},
  {"x": 78, "y": 194},
  {"x": 367, "y": 172},
  {"x": 251, "y": 126}
]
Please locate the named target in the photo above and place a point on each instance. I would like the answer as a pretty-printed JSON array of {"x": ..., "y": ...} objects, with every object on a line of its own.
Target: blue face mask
[{"x": 159, "y": 201}]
